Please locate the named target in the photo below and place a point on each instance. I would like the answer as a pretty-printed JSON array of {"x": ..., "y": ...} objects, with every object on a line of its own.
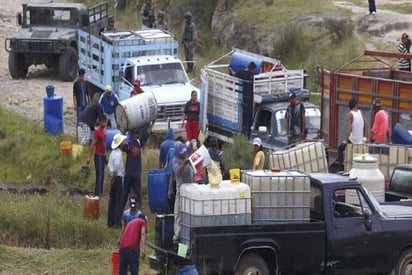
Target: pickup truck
[
  {"x": 221, "y": 99},
  {"x": 348, "y": 232},
  {"x": 400, "y": 184},
  {"x": 48, "y": 35}
]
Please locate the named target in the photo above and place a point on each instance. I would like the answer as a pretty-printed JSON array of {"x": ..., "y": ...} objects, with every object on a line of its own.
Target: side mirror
[
  {"x": 367, "y": 220},
  {"x": 19, "y": 19}
]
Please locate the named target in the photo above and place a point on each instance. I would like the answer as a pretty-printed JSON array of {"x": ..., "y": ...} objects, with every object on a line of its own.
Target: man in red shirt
[
  {"x": 380, "y": 128},
  {"x": 133, "y": 235},
  {"x": 137, "y": 89},
  {"x": 99, "y": 149}
]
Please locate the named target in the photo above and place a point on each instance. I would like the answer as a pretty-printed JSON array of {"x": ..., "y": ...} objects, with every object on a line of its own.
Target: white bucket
[
  {"x": 199, "y": 159},
  {"x": 137, "y": 111}
]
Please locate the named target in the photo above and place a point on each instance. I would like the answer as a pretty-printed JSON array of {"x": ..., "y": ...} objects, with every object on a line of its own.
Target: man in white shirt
[{"x": 115, "y": 167}]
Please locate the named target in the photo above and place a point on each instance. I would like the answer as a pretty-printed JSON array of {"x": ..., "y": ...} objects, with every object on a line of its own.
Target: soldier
[
  {"x": 148, "y": 15},
  {"x": 161, "y": 23},
  {"x": 110, "y": 25},
  {"x": 188, "y": 40}
]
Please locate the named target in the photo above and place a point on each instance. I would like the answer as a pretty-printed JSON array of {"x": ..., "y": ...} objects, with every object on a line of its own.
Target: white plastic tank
[
  {"x": 135, "y": 112},
  {"x": 366, "y": 169}
]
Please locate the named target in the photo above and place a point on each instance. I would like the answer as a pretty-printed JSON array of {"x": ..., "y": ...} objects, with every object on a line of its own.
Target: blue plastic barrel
[
  {"x": 109, "y": 137},
  {"x": 50, "y": 91},
  {"x": 240, "y": 61},
  {"x": 400, "y": 135},
  {"x": 189, "y": 270},
  {"x": 157, "y": 187},
  {"x": 53, "y": 115}
]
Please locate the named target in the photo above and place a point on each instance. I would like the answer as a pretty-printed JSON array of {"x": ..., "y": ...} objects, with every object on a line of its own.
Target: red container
[{"x": 115, "y": 263}]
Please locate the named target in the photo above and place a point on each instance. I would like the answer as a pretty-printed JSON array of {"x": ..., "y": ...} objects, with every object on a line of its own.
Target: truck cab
[
  {"x": 400, "y": 184},
  {"x": 165, "y": 77},
  {"x": 269, "y": 123}
]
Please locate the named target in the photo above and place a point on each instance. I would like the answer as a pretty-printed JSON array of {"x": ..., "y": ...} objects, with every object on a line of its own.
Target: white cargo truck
[
  {"x": 221, "y": 98},
  {"x": 119, "y": 58}
]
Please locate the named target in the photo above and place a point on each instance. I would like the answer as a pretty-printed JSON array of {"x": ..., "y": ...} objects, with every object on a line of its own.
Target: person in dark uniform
[
  {"x": 247, "y": 76},
  {"x": 188, "y": 40}
]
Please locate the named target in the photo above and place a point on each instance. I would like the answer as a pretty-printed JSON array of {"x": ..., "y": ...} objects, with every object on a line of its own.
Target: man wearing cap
[
  {"x": 81, "y": 95},
  {"x": 132, "y": 212},
  {"x": 133, "y": 177},
  {"x": 380, "y": 128},
  {"x": 258, "y": 154},
  {"x": 136, "y": 88},
  {"x": 403, "y": 63},
  {"x": 247, "y": 76},
  {"x": 181, "y": 173},
  {"x": 295, "y": 120},
  {"x": 161, "y": 22},
  {"x": 109, "y": 101},
  {"x": 132, "y": 245},
  {"x": 115, "y": 167},
  {"x": 98, "y": 148}
]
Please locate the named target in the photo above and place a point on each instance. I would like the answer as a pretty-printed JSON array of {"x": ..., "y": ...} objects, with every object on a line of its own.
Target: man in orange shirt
[{"x": 380, "y": 128}]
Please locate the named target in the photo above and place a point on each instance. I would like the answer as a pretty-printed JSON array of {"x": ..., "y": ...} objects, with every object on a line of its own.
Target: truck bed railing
[{"x": 98, "y": 12}]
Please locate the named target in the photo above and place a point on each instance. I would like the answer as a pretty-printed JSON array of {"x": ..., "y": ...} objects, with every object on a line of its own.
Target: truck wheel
[
  {"x": 17, "y": 66},
  {"x": 252, "y": 264},
  {"x": 68, "y": 65},
  {"x": 404, "y": 264}
]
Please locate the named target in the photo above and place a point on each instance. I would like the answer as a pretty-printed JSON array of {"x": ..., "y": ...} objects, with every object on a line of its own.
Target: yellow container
[
  {"x": 234, "y": 175},
  {"x": 77, "y": 151},
  {"x": 66, "y": 147}
]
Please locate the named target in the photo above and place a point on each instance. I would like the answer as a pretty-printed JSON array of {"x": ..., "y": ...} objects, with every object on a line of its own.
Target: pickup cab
[
  {"x": 400, "y": 184},
  {"x": 348, "y": 232}
]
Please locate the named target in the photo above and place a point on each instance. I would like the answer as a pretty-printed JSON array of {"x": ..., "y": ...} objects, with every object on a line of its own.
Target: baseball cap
[
  {"x": 133, "y": 200},
  {"x": 108, "y": 88},
  {"x": 405, "y": 35},
  {"x": 292, "y": 95},
  {"x": 257, "y": 141}
]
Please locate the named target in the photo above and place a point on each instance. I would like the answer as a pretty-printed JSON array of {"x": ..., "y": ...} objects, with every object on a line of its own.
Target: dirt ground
[{"x": 25, "y": 96}]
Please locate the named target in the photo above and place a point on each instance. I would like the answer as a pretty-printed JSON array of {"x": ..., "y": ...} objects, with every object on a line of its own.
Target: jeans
[
  {"x": 99, "y": 164},
  {"x": 128, "y": 258}
]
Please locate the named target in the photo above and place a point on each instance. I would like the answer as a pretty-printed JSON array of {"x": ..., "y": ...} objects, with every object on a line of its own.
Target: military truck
[{"x": 48, "y": 35}]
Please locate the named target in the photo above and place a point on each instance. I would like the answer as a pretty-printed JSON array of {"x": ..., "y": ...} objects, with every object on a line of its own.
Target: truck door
[
  {"x": 127, "y": 78},
  {"x": 355, "y": 239}
]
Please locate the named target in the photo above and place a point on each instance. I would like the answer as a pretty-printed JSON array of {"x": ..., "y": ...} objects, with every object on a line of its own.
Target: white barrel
[
  {"x": 366, "y": 169},
  {"x": 137, "y": 111}
]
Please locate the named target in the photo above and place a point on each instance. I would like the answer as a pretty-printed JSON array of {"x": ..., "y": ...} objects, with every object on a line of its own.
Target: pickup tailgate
[{"x": 295, "y": 247}]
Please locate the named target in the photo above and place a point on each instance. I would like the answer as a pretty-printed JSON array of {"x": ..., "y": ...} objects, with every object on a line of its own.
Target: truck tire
[
  {"x": 252, "y": 264},
  {"x": 68, "y": 65},
  {"x": 404, "y": 264},
  {"x": 17, "y": 66}
]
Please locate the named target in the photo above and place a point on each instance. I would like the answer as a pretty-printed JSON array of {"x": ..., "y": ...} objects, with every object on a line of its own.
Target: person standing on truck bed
[
  {"x": 380, "y": 128},
  {"x": 404, "y": 64},
  {"x": 356, "y": 125},
  {"x": 148, "y": 15},
  {"x": 295, "y": 120},
  {"x": 161, "y": 21},
  {"x": 136, "y": 88},
  {"x": 109, "y": 101},
  {"x": 110, "y": 25},
  {"x": 247, "y": 76},
  {"x": 191, "y": 117},
  {"x": 81, "y": 95},
  {"x": 189, "y": 40}
]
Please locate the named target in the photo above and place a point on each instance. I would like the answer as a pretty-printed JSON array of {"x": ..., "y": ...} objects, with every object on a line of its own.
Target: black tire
[
  {"x": 68, "y": 65},
  {"x": 252, "y": 264},
  {"x": 404, "y": 264},
  {"x": 17, "y": 66}
]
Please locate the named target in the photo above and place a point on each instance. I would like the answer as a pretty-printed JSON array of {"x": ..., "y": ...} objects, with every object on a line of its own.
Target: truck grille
[
  {"x": 174, "y": 112},
  {"x": 40, "y": 46}
]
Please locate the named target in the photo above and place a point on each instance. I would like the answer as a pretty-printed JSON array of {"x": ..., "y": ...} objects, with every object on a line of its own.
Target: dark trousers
[
  {"x": 132, "y": 181},
  {"x": 99, "y": 164},
  {"x": 115, "y": 210},
  {"x": 372, "y": 6},
  {"x": 247, "y": 118},
  {"x": 189, "y": 56},
  {"x": 128, "y": 258},
  {"x": 79, "y": 109},
  {"x": 341, "y": 155}
]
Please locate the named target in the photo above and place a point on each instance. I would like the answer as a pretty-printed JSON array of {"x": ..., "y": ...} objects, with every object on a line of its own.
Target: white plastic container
[
  {"x": 366, "y": 169},
  {"x": 135, "y": 112}
]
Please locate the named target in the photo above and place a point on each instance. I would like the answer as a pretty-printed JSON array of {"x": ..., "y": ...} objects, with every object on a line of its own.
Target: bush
[
  {"x": 238, "y": 154},
  {"x": 291, "y": 43},
  {"x": 340, "y": 29}
]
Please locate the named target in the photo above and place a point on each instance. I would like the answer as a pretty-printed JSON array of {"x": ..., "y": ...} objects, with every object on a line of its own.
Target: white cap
[{"x": 257, "y": 141}]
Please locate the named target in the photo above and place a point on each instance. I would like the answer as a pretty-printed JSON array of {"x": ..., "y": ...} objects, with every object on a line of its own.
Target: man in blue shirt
[
  {"x": 81, "y": 95},
  {"x": 109, "y": 101}
]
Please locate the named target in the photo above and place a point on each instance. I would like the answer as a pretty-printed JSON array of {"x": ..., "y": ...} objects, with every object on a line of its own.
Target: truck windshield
[
  {"x": 161, "y": 74},
  {"x": 401, "y": 181},
  {"x": 52, "y": 17}
]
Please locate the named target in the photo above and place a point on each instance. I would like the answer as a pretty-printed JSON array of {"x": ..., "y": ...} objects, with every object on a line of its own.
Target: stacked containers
[
  {"x": 307, "y": 157},
  {"x": 203, "y": 205},
  {"x": 278, "y": 197}
]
